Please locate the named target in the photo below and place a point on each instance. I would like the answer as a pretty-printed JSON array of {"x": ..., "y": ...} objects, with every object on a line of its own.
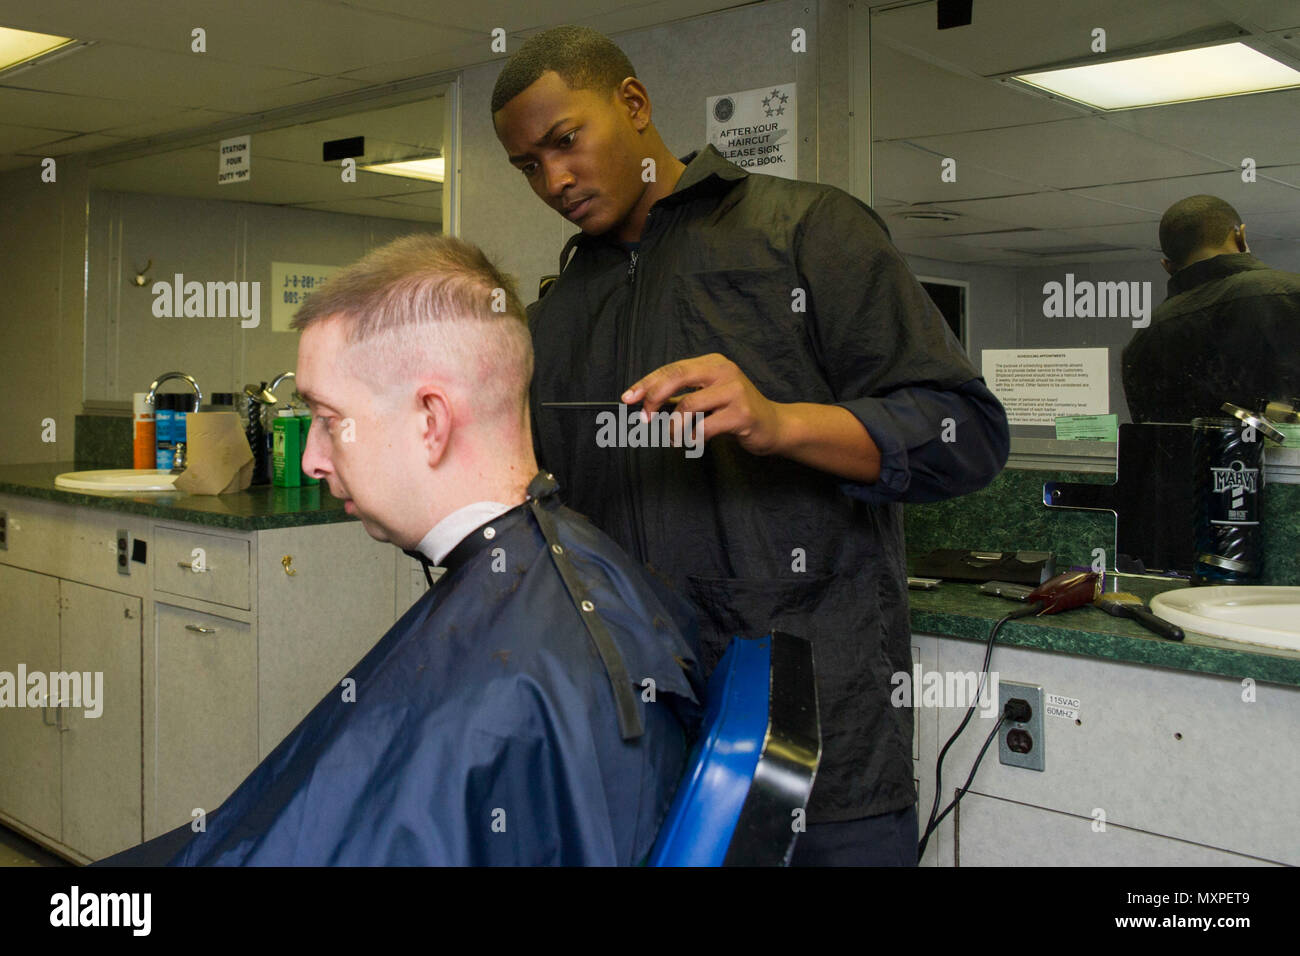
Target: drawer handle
[
  {"x": 191, "y": 566},
  {"x": 200, "y": 629}
]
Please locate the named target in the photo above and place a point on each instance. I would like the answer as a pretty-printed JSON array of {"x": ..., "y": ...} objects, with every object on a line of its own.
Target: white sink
[
  {"x": 1251, "y": 613},
  {"x": 112, "y": 480}
]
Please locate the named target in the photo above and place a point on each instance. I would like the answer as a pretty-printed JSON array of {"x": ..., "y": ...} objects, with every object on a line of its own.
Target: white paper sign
[
  {"x": 291, "y": 283},
  {"x": 757, "y": 130},
  {"x": 1036, "y": 386},
  {"x": 235, "y": 160}
]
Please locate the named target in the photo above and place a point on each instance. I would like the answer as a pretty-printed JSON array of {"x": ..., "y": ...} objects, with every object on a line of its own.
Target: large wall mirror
[
  {"x": 1042, "y": 189},
  {"x": 164, "y": 214}
]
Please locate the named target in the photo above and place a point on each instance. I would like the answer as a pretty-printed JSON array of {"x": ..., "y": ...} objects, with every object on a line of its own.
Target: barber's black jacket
[
  {"x": 763, "y": 543},
  {"x": 1229, "y": 332}
]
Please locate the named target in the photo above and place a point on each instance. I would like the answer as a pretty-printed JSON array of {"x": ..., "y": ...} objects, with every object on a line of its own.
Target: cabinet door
[
  {"x": 29, "y": 739},
  {"x": 315, "y": 623},
  {"x": 206, "y": 715},
  {"x": 102, "y": 765}
]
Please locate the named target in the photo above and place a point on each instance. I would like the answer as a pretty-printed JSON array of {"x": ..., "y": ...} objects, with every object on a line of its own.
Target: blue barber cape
[{"x": 491, "y": 724}]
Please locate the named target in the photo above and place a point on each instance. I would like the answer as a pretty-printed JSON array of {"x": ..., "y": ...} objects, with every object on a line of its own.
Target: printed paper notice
[
  {"x": 291, "y": 283},
  {"x": 235, "y": 160},
  {"x": 757, "y": 129},
  {"x": 1037, "y": 387}
]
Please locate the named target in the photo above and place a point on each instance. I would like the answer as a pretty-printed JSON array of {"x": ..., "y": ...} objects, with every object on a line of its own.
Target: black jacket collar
[
  {"x": 1207, "y": 270},
  {"x": 706, "y": 171}
]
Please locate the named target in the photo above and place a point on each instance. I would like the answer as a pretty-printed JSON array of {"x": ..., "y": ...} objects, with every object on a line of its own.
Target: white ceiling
[
  {"x": 1044, "y": 182},
  {"x": 1035, "y": 176},
  {"x": 139, "y": 78}
]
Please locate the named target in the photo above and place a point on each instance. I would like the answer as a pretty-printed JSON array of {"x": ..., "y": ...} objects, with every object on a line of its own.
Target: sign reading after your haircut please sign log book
[{"x": 758, "y": 130}]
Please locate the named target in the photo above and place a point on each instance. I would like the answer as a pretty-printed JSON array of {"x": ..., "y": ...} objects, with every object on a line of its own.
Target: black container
[
  {"x": 1227, "y": 459},
  {"x": 250, "y": 413}
]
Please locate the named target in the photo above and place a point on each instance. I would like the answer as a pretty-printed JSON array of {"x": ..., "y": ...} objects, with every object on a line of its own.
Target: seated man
[{"x": 507, "y": 717}]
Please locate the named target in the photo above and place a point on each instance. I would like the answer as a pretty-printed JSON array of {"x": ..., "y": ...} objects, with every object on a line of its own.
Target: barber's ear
[
  {"x": 1241, "y": 238},
  {"x": 1168, "y": 266},
  {"x": 436, "y": 417}
]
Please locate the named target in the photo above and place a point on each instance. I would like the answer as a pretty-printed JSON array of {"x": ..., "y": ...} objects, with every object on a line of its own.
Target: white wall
[{"x": 42, "y": 259}]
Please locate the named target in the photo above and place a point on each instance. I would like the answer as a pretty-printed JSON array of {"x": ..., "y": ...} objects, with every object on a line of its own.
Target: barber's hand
[{"x": 724, "y": 393}]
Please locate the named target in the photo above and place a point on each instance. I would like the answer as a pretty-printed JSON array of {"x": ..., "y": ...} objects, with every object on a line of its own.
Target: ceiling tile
[
  {"x": 1051, "y": 210},
  {"x": 1019, "y": 34},
  {"x": 14, "y": 139},
  {"x": 910, "y": 174},
  {"x": 909, "y": 98},
  {"x": 1065, "y": 154},
  {"x": 1262, "y": 126},
  {"x": 170, "y": 122},
  {"x": 80, "y": 114},
  {"x": 1158, "y": 195},
  {"x": 377, "y": 207},
  {"x": 179, "y": 79}
]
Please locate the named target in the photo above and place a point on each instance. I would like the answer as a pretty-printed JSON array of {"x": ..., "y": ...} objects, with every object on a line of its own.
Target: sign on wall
[
  {"x": 291, "y": 283},
  {"x": 235, "y": 160},
  {"x": 1036, "y": 386},
  {"x": 757, "y": 130}
]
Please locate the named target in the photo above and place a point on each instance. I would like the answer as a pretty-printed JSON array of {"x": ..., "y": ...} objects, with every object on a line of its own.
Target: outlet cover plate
[{"x": 1033, "y": 694}]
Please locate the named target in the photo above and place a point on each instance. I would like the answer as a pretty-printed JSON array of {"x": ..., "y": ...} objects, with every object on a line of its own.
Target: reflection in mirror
[
  {"x": 187, "y": 272},
  {"x": 1049, "y": 208}
]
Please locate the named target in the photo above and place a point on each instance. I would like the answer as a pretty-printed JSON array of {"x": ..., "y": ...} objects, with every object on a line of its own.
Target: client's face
[{"x": 357, "y": 445}]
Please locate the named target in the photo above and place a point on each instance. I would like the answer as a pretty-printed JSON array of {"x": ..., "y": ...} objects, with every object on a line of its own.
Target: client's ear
[{"x": 435, "y": 412}]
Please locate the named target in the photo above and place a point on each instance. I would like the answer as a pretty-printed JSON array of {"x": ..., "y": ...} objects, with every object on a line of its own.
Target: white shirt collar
[{"x": 453, "y": 529}]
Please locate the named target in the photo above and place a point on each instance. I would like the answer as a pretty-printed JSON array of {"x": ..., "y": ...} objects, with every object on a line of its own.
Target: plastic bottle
[
  {"x": 163, "y": 406},
  {"x": 1229, "y": 460},
  {"x": 144, "y": 443},
  {"x": 287, "y": 455}
]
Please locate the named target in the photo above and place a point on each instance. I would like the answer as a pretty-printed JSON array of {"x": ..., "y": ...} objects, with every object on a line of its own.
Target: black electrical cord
[
  {"x": 961, "y": 792},
  {"x": 931, "y": 824}
]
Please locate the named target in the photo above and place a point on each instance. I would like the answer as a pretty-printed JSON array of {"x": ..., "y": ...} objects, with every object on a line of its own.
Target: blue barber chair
[{"x": 753, "y": 765}]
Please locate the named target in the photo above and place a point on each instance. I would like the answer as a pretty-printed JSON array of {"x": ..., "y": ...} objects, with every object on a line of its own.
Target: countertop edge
[
  {"x": 124, "y": 504},
  {"x": 1151, "y": 651}
]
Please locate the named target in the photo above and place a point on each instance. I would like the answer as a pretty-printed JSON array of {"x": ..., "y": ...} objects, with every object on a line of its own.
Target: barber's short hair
[
  {"x": 427, "y": 304},
  {"x": 584, "y": 58},
  {"x": 1194, "y": 223}
]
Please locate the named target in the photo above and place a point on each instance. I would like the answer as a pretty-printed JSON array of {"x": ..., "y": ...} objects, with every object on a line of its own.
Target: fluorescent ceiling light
[
  {"x": 1230, "y": 69},
  {"x": 429, "y": 168},
  {"x": 19, "y": 46}
]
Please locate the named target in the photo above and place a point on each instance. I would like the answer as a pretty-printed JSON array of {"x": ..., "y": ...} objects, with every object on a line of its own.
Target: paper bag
[{"x": 218, "y": 459}]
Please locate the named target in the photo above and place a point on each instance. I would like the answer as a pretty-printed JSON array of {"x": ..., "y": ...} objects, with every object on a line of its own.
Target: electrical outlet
[
  {"x": 123, "y": 551},
  {"x": 1021, "y": 743}
]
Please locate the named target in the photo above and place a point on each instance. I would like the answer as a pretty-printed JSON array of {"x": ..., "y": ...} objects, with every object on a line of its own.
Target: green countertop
[
  {"x": 953, "y": 610},
  {"x": 960, "y": 610},
  {"x": 257, "y": 509}
]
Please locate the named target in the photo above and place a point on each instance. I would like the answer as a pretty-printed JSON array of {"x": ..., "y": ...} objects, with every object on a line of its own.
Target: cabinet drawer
[
  {"x": 224, "y": 563},
  {"x": 206, "y": 716}
]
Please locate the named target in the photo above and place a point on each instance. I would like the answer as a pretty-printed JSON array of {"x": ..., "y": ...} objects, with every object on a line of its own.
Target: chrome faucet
[
  {"x": 275, "y": 382},
  {"x": 153, "y": 388}
]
